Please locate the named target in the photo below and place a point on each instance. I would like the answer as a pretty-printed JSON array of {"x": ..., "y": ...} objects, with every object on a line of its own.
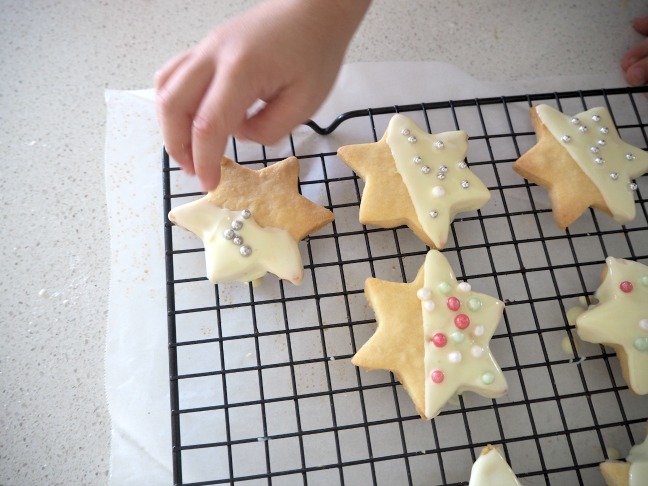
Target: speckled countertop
[{"x": 58, "y": 57}]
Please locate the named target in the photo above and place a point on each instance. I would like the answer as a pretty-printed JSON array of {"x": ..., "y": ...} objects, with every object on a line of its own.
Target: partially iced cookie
[
  {"x": 582, "y": 162},
  {"x": 252, "y": 222},
  {"x": 434, "y": 334},
  {"x": 416, "y": 179},
  {"x": 491, "y": 469},
  {"x": 620, "y": 319},
  {"x": 633, "y": 472}
]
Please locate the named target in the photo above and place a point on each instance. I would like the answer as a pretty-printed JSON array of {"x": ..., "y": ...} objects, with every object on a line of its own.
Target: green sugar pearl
[
  {"x": 458, "y": 337},
  {"x": 444, "y": 287},
  {"x": 644, "y": 280},
  {"x": 487, "y": 378},
  {"x": 641, "y": 344},
  {"x": 474, "y": 304}
]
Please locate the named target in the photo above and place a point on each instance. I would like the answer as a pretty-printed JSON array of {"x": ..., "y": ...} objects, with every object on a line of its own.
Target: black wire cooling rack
[{"x": 262, "y": 386}]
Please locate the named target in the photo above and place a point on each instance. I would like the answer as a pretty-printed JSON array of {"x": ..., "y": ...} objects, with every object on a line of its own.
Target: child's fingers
[
  {"x": 635, "y": 54},
  {"x": 222, "y": 110},
  {"x": 165, "y": 72},
  {"x": 178, "y": 100},
  {"x": 278, "y": 117},
  {"x": 637, "y": 73},
  {"x": 640, "y": 24}
]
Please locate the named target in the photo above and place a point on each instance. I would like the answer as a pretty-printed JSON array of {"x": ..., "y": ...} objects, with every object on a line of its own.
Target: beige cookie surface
[{"x": 272, "y": 195}]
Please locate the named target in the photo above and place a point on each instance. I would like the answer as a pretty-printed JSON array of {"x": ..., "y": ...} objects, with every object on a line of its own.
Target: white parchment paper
[{"x": 136, "y": 352}]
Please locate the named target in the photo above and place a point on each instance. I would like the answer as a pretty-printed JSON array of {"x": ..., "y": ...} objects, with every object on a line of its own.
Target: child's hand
[
  {"x": 284, "y": 52},
  {"x": 635, "y": 62}
]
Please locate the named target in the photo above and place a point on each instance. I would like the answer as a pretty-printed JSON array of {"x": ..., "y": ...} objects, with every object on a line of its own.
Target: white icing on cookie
[
  {"x": 592, "y": 140},
  {"x": 618, "y": 317},
  {"x": 490, "y": 469},
  {"x": 236, "y": 247},
  {"x": 457, "y": 331},
  {"x": 438, "y": 180}
]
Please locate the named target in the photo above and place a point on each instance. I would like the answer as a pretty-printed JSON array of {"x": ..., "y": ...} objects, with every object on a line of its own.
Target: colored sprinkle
[
  {"x": 437, "y": 376},
  {"x": 454, "y": 357},
  {"x": 439, "y": 339},
  {"x": 641, "y": 344},
  {"x": 462, "y": 321},
  {"x": 474, "y": 304},
  {"x": 444, "y": 287},
  {"x": 626, "y": 286},
  {"x": 476, "y": 351},
  {"x": 453, "y": 303},
  {"x": 487, "y": 378},
  {"x": 479, "y": 331},
  {"x": 429, "y": 305},
  {"x": 464, "y": 287},
  {"x": 424, "y": 294},
  {"x": 643, "y": 324},
  {"x": 644, "y": 280},
  {"x": 458, "y": 337}
]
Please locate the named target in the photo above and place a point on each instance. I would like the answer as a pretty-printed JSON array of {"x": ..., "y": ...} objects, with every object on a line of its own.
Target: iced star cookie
[
  {"x": 252, "y": 222},
  {"x": 491, "y": 469},
  {"x": 582, "y": 162},
  {"x": 416, "y": 179},
  {"x": 434, "y": 335},
  {"x": 633, "y": 472},
  {"x": 620, "y": 319}
]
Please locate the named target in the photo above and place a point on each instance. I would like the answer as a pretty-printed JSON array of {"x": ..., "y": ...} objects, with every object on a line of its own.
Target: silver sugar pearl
[
  {"x": 425, "y": 169},
  {"x": 246, "y": 213},
  {"x": 417, "y": 159},
  {"x": 433, "y": 214},
  {"x": 228, "y": 234},
  {"x": 582, "y": 129},
  {"x": 633, "y": 186},
  {"x": 630, "y": 157},
  {"x": 238, "y": 240},
  {"x": 604, "y": 130},
  {"x": 594, "y": 149},
  {"x": 237, "y": 224},
  {"x": 599, "y": 160},
  {"x": 405, "y": 131},
  {"x": 462, "y": 165},
  {"x": 465, "y": 184},
  {"x": 596, "y": 118},
  {"x": 245, "y": 250},
  {"x": 575, "y": 121},
  {"x": 443, "y": 168},
  {"x": 565, "y": 138},
  {"x": 614, "y": 176},
  {"x": 411, "y": 139},
  {"x": 601, "y": 142},
  {"x": 439, "y": 144},
  {"x": 441, "y": 176}
]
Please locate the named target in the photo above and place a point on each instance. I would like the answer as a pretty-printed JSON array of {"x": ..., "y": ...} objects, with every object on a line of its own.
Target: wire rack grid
[{"x": 262, "y": 387}]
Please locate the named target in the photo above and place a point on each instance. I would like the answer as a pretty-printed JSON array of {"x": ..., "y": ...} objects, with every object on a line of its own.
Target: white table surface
[{"x": 58, "y": 57}]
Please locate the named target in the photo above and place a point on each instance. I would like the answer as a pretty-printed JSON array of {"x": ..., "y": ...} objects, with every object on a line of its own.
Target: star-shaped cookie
[
  {"x": 416, "y": 179},
  {"x": 251, "y": 223},
  {"x": 433, "y": 334},
  {"x": 491, "y": 469},
  {"x": 617, "y": 473},
  {"x": 582, "y": 162},
  {"x": 620, "y": 319}
]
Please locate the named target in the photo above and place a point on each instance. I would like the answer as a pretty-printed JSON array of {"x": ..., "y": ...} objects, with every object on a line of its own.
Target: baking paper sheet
[{"x": 136, "y": 352}]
